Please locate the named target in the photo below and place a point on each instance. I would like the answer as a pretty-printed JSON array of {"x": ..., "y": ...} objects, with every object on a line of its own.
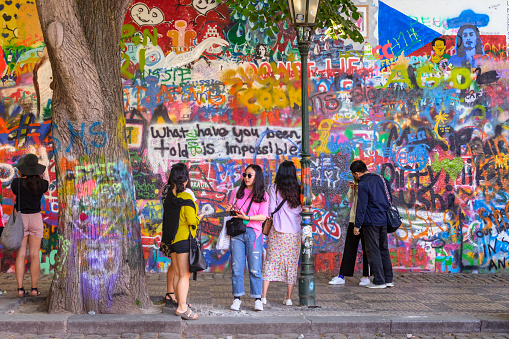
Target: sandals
[
  {"x": 188, "y": 314},
  {"x": 25, "y": 293},
  {"x": 170, "y": 301},
  {"x": 37, "y": 293}
]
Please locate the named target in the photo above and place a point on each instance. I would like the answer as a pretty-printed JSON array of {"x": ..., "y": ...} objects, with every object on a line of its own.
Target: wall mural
[{"x": 423, "y": 101}]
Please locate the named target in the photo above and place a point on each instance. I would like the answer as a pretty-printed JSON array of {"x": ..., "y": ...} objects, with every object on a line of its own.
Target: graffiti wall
[{"x": 422, "y": 101}]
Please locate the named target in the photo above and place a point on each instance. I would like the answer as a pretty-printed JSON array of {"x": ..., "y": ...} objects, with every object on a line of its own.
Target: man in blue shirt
[{"x": 372, "y": 207}]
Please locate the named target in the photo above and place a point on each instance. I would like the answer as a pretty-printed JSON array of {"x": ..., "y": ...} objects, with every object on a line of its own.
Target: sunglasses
[{"x": 247, "y": 175}]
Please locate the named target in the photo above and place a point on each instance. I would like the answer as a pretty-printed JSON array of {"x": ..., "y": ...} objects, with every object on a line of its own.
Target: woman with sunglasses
[
  {"x": 251, "y": 191},
  {"x": 283, "y": 245}
]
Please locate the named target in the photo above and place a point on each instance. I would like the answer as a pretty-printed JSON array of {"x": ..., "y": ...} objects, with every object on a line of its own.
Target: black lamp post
[{"x": 303, "y": 14}]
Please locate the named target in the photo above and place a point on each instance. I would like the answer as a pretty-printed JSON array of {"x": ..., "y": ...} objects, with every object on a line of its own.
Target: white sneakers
[
  {"x": 389, "y": 284},
  {"x": 287, "y": 302},
  {"x": 337, "y": 280},
  {"x": 264, "y": 301},
  {"x": 364, "y": 282},
  {"x": 376, "y": 286},
  {"x": 258, "y": 305},
  {"x": 236, "y": 305}
]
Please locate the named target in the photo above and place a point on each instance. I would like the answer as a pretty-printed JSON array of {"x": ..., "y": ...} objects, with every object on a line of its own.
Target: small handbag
[
  {"x": 267, "y": 224},
  {"x": 14, "y": 230},
  {"x": 393, "y": 217},
  {"x": 197, "y": 261},
  {"x": 236, "y": 226}
]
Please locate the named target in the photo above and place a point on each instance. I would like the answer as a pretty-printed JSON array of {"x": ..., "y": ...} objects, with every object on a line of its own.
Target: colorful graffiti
[{"x": 423, "y": 101}]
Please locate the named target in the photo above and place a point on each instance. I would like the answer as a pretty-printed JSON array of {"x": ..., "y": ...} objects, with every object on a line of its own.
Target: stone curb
[
  {"x": 139, "y": 323},
  {"x": 123, "y": 323},
  {"x": 37, "y": 324},
  {"x": 435, "y": 324},
  {"x": 349, "y": 324},
  {"x": 246, "y": 325}
]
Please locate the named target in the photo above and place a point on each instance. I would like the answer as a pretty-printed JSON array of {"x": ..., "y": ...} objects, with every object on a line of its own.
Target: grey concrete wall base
[
  {"x": 246, "y": 325},
  {"x": 33, "y": 323},
  {"x": 496, "y": 323},
  {"x": 351, "y": 324},
  {"x": 435, "y": 324},
  {"x": 123, "y": 323}
]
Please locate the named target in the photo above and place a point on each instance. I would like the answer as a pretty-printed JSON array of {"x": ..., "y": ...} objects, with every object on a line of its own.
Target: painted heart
[
  {"x": 453, "y": 167},
  {"x": 18, "y": 6},
  {"x": 144, "y": 16},
  {"x": 6, "y": 17},
  {"x": 8, "y": 3},
  {"x": 1, "y": 7},
  {"x": 5, "y": 35}
]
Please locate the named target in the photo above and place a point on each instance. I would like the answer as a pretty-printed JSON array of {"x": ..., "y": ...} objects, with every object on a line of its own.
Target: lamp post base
[{"x": 307, "y": 291}]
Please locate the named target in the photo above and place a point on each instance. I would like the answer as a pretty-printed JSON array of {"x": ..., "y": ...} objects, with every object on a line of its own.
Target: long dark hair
[
  {"x": 179, "y": 174},
  {"x": 258, "y": 187},
  {"x": 460, "y": 47},
  {"x": 287, "y": 184},
  {"x": 32, "y": 183}
]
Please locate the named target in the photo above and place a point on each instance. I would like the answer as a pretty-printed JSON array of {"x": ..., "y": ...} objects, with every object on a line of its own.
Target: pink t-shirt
[{"x": 256, "y": 208}]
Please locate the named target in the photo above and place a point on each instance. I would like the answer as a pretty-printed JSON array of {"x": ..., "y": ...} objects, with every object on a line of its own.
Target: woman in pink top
[
  {"x": 251, "y": 191},
  {"x": 283, "y": 245}
]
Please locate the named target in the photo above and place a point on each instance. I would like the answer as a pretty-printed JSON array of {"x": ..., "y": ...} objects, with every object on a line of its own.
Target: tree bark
[{"x": 100, "y": 265}]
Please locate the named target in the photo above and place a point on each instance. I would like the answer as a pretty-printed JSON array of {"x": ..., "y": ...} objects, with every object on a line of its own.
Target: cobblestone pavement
[
  {"x": 263, "y": 336},
  {"x": 414, "y": 293}
]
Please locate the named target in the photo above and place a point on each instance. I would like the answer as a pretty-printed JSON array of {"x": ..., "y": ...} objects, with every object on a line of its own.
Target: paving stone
[
  {"x": 169, "y": 336},
  {"x": 148, "y": 336}
]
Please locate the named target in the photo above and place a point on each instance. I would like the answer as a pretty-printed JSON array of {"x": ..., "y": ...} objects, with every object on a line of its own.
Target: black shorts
[{"x": 177, "y": 247}]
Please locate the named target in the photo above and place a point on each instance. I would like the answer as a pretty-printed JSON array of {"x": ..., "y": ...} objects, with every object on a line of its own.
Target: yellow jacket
[{"x": 188, "y": 217}]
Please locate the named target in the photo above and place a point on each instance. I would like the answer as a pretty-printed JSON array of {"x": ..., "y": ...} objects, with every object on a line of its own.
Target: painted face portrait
[
  {"x": 204, "y": 6},
  {"x": 439, "y": 48},
  {"x": 469, "y": 38}
]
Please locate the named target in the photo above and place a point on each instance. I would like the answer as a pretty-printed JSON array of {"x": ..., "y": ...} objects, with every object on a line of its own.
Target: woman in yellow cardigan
[{"x": 180, "y": 221}]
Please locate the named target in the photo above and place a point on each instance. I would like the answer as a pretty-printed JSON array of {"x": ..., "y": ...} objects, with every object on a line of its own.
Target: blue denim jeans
[{"x": 242, "y": 246}]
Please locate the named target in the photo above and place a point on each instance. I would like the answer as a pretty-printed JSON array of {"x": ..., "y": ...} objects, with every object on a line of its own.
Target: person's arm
[
  {"x": 231, "y": 202},
  {"x": 191, "y": 216},
  {"x": 45, "y": 186},
  {"x": 362, "y": 205},
  {"x": 261, "y": 214},
  {"x": 14, "y": 186},
  {"x": 272, "y": 198},
  {"x": 349, "y": 194}
]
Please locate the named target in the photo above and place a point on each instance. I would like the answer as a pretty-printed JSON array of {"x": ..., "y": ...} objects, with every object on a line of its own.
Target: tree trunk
[{"x": 100, "y": 265}]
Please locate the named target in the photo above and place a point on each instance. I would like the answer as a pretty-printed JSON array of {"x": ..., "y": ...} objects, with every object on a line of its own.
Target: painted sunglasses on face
[{"x": 247, "y": 175}]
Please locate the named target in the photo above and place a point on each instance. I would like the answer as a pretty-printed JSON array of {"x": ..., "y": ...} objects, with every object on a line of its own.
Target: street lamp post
[{"x": 303, "y": 16}]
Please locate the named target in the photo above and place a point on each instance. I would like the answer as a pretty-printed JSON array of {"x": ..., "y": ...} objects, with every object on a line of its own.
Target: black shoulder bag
[
  {"x": 197, "y": 260},
  {"x": 236, "y": 226},
  {"x": 393, "y": 218}
]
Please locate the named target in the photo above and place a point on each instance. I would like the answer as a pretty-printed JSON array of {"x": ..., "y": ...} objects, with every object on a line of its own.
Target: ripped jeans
[{"x": 242, "y": 246}]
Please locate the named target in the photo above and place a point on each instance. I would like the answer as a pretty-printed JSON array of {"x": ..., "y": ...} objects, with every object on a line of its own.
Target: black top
[
  {"x": 30, "y": 203},
  {"x": 372, "y": 203}
]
